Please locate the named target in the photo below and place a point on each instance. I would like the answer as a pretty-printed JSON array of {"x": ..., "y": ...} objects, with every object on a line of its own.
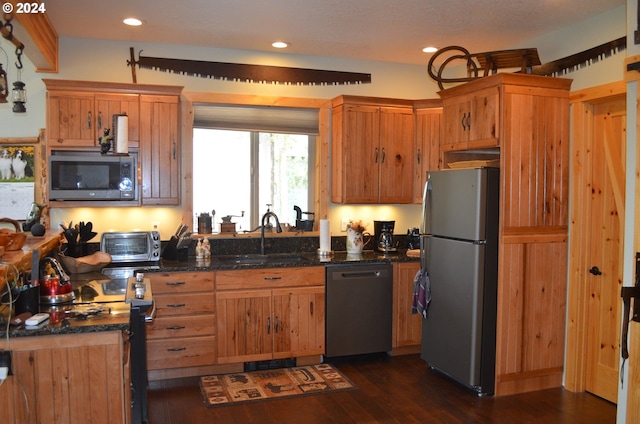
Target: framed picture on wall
[{"x": 18, "y": 160}]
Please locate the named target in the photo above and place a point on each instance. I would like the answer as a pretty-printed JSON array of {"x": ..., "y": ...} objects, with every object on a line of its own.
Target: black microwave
[{"x": 92, "y": 176}]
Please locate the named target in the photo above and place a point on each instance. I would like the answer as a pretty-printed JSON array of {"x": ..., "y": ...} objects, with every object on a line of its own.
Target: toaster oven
[{"x": 132, "y": 246}]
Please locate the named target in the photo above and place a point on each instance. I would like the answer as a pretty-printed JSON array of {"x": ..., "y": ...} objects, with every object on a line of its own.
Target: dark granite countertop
[
  {"x": 115, "y": 316},
  {"x": 279, "y": 260}
]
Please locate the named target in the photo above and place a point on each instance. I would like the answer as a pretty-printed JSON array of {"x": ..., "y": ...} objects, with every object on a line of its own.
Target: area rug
[{"x": 225, "y": 389}]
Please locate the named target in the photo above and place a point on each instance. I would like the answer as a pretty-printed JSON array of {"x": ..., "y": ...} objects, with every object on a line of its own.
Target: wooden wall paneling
[
  {"x": 81, "y": 391},
  {"x": 337, "y": 155},
  {"x": 582, "y": 139},
  {"x": 23, "y": 388},
  {"x": 322, "y": 192},
  {"x": 511, "y": 310},
  {"x": 532, "y": 269}
]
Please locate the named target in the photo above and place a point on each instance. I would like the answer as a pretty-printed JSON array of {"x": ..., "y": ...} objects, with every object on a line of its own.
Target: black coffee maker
[{"x": 383, "y": 236}]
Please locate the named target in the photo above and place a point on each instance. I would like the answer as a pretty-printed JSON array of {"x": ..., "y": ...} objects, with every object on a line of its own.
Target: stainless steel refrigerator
[{"x": 459, "y": 249}]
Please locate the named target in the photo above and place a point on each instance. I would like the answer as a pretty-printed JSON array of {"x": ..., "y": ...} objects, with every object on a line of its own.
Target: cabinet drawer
[
  {"x": 177, "y": 353},
  {"x": 181, "y": 282},
  {"x": 270, "y": 278},
  {"x": 183, "y": 304},
  {"x": 181, "y": 326}
]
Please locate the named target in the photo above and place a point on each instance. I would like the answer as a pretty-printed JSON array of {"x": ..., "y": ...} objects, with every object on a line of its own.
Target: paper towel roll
[
  {"x": 325, "y": 236},
  {"x": 121, "y": 133}
]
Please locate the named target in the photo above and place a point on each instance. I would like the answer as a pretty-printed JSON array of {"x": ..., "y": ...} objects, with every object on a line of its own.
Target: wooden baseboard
[
  {"x": 405, "y": 350},
  {"x": 510, "y": 384}
]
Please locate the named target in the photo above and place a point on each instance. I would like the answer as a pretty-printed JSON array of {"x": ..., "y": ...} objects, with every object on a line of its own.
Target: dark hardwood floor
[{"x": 390, "y": 390}]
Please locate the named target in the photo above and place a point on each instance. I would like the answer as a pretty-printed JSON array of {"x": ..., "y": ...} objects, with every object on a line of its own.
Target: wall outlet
[
  {"x": 155, "y": 226},
  {"x": 5, "y": 360},
  {"x": 344, "y": 223}
]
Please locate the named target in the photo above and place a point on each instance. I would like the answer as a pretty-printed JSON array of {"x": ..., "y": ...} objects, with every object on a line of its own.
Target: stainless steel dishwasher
[{"x": 358, "y": 309}]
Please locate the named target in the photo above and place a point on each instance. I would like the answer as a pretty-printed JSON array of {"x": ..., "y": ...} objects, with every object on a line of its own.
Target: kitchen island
[{"x": 66, "y": 370}]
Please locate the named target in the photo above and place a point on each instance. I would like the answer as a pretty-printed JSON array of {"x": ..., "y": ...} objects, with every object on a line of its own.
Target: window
[{"x": 237, "y": 171}]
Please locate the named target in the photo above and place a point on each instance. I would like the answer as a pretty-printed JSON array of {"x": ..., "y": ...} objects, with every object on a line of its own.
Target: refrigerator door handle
[{"x": 426, "y": 196}]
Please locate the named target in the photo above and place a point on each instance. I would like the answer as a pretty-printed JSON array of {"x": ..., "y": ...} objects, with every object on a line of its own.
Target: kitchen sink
[{"x": 274, "y": 259}]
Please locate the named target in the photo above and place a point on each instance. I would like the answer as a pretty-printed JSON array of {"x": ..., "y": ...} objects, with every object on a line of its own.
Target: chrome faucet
[{"x": 265, "y": 218}]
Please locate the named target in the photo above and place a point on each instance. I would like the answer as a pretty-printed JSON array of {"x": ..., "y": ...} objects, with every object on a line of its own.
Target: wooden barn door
[
  {"x": 596, "y": 241},
  {"x": 604, "y": 251}
]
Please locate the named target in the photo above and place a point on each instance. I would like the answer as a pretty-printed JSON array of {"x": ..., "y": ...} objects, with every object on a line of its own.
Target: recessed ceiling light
[
  {"x": 430, "y": 49},
  {"x": 280, "y": 44},
  {"x": 132, "y": 22}
]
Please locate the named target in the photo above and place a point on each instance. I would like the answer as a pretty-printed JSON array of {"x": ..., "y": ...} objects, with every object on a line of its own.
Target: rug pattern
[{"x": 278, "y": 383}]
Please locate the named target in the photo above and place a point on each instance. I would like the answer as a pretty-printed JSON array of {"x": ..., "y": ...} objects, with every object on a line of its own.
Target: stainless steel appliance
[
  {"x": 459, "y": 248},
  {"x": 92, "y": 176},
  {"x": 132, "y": 254},
  {"x": 358, "y": 309},
  {"x": 132, "y": 246},
  {"x": 383, "y": 236}
]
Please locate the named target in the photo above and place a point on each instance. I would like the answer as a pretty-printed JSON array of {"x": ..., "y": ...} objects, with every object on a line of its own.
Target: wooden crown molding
[{"x": 39, "y": 37}]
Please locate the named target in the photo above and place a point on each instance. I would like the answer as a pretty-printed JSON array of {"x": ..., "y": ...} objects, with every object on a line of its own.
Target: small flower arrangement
[{"x": 357, "y": 226}]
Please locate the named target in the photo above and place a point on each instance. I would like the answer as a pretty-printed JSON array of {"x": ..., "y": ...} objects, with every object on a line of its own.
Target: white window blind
[{"x": 257, "y": 118}]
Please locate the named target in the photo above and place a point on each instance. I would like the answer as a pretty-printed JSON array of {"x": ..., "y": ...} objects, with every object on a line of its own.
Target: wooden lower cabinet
[
  {"x": 266, "y": 314},
  {"x": 74, "y": 378},
  {"x": 407, "y": 327},
  {"x": 182, "y": 336}
]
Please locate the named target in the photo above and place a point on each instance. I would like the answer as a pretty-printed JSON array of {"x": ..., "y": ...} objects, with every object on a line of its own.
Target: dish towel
[{"x": 421, "y": 293}]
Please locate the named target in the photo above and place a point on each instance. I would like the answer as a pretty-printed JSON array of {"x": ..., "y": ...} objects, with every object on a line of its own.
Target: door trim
[{"x": 582, "y": 104}]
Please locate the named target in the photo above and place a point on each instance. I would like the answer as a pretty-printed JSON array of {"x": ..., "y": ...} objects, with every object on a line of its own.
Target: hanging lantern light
[
  {"x": 19, "y": 97},
  {"x": 3, "y": 85},
  {"x": 19, "y": 93}
]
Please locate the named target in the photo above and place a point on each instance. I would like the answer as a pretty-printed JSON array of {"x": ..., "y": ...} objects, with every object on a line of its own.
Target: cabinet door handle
[
  {"x": 383, "y": 155},
  {"x": 174, "y": 150},
  {"x": 419, "y": 156},
  {"x": 469, "y": 121},
  {"x": 277, "y": 324},
  {"x": 464, "y": 121},
  {"x": 177, "y": 327},
  {"x": 176, "y": 305},
  {"x": 175, "y": 283},
  {"x": 376, "y": 156},
  {"x": 268, "y": 325},
  {"x": 176, "y": 349},
  {"x": 272, "y": 278},
  {"x": 89, "y": 119},
  {"x": 99, "y": 120}
]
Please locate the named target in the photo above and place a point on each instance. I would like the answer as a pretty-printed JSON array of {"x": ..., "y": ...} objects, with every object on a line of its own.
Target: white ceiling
[{"x": 381, "y": 30}]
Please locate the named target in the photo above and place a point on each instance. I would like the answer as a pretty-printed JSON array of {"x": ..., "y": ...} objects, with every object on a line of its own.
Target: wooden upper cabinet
[
  {"x": 373, "y": 148},
  {"x": 396, "y": 155},
  {"x": 78, "y": 119},
  {"x": 107, "y": 105},
  {"x": 71, "y": 119},
  {"x": 471, "y": 120},
  {"x": 159, "y": 150},
  {"x": 428, "y": 114}
]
